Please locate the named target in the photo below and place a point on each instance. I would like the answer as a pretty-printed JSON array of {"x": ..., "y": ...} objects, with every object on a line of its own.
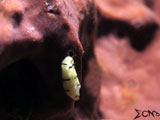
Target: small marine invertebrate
[{"x": 71, "y": 83}]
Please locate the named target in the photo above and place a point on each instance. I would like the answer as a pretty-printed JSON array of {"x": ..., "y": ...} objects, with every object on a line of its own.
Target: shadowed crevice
[{"x": 139, "y": 38}]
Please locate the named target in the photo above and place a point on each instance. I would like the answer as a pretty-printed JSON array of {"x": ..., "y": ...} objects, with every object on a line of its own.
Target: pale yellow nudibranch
[{"x": 71, "y": 83}]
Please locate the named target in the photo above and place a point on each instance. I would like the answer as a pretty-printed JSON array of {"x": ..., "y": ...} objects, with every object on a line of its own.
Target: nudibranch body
[{"x": 71, "y": 83}]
